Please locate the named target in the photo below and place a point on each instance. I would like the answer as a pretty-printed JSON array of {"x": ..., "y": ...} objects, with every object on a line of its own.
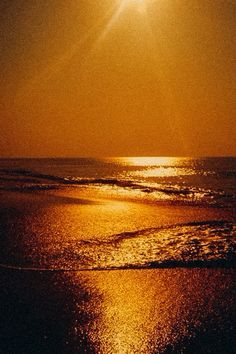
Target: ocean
[
  {"x": 118, "y": 255},
  {"x": 117, "y": 213}
]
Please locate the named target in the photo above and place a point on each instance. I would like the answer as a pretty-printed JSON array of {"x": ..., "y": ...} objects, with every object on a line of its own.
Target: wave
[
  {"x": 28, "y": 173},
  {"x": 195, "y": 244},
  {"x": 19, "y": 179}
]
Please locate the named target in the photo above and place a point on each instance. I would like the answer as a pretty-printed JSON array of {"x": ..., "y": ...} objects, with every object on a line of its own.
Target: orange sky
[{"x": 118, "y": 77}]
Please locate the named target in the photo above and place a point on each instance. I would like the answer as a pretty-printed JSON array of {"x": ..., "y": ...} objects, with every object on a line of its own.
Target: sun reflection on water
[
  {"x": 163, "y": 172},
  {"x": 134, "y": 316},
  {"x": 146, "y": 311},
  {"x": 158, "y": 166},
  {"x": 151, "y": 161}
]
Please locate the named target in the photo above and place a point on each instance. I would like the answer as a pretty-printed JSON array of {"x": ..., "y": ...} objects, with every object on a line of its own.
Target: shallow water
[
  {"x": 144, "y": 311},
  {"x": 78, "y": 214},
  {"x": 203, "y": 180},
  {"x": 81, "y": 241}
]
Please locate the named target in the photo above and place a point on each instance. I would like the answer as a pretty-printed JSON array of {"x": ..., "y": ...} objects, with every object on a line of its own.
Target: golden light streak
[
  {"x": 60, "y": 62},
  {"x": 163, "y": 172},
  {"x": 149, "y": 161},
  {"x": 112, "y": 21},
  {"x": 110, "y": 18},
  {"x": 95, "y": 35}
]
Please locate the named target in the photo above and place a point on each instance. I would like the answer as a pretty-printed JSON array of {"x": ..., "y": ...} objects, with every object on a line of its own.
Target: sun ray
[
  {"x": 95, "y": 35},
  {"x": 60, "y": 61},
  {"x": 120, "y": 8}
]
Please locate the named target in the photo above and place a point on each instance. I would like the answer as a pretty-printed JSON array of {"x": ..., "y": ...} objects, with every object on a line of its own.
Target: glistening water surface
[
  {"x": 82, "y": 243},
  {"x": 78, "y": 214}
]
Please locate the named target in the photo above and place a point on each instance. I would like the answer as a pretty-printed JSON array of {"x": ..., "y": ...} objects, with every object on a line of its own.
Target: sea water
[{"x": 113, "y": 220}]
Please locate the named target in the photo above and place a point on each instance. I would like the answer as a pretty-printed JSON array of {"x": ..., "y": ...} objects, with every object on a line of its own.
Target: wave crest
[{"x": 196, "y": 244}]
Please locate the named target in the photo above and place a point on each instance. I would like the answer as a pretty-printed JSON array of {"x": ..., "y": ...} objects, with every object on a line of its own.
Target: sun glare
[
  {"x": 138, "y": 5},
  {"x": 149, "y": 161},
  {"x": 134, "y": 2}
]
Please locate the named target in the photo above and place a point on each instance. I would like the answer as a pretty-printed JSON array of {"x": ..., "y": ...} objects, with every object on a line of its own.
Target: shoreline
[
  {"x": 162, "y": 311},
  {"x": 51, "y": 231}
]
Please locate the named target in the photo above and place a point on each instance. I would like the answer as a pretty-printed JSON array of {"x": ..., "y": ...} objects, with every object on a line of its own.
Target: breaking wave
[
  {"x": 195, "y": 244},
  {"x": 17, "y": 179}
]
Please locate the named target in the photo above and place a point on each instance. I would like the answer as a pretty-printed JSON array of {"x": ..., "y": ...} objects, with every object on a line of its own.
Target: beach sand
[{"x": 176, "y": 310}]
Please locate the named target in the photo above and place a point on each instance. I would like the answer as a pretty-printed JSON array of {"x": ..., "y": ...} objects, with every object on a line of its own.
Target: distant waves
[{"x": 17, "y": 179}]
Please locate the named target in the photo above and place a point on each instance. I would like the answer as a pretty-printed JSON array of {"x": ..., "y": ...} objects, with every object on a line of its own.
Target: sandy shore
[{"x": 125, "y": 311}]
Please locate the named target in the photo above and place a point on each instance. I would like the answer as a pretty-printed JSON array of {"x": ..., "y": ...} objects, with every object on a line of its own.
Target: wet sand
[
  {"x": 129, "y": 311},
  {"x": 126, "y": 311}
]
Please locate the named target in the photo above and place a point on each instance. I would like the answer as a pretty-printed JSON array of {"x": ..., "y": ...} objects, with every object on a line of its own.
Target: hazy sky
[{"x": 117, "y": 77}]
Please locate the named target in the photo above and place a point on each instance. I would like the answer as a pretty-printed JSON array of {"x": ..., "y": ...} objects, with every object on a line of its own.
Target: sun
[
  {"x": 139, "y": 5},
  {"x": 129, "y": 2},
  {"x": 136, "y": 1}
]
